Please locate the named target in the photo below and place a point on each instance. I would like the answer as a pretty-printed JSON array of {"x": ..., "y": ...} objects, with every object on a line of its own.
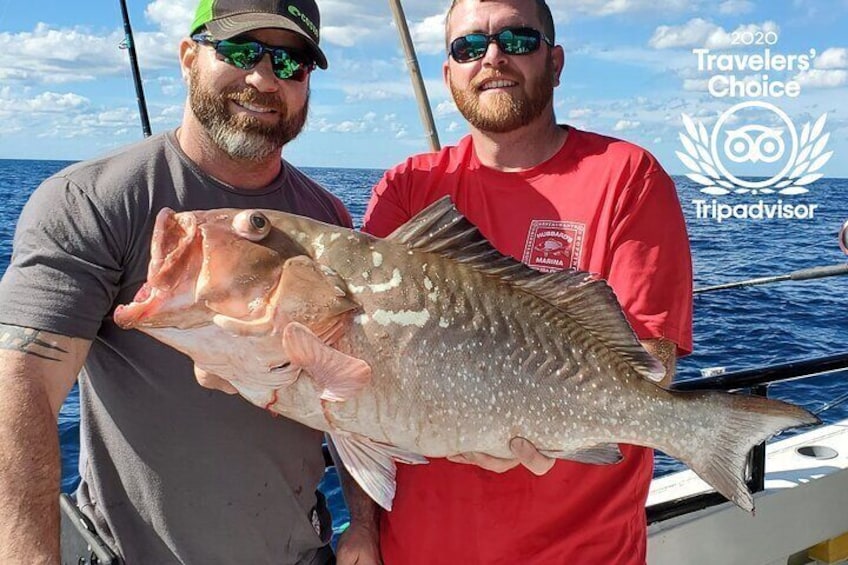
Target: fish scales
[{"x": 427, "y": 344}]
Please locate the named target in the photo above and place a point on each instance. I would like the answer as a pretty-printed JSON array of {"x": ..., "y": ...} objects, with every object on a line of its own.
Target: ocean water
[{"x": 734, "y": 329}]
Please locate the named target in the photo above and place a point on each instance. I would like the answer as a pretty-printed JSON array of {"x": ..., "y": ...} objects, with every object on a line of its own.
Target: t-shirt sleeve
[
  {"x": 387, "y": 210},
  {"x": 65, "y": 266},
  {"x": 650, "y": 265},
  {"x": 343, "y": 216}
]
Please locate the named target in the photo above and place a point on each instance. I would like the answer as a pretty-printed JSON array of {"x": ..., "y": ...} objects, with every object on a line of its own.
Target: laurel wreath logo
[{"x": 701, "y": 164}]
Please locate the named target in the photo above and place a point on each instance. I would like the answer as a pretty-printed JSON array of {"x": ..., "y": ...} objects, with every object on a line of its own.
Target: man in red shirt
[{"x": 553, "y": 197}]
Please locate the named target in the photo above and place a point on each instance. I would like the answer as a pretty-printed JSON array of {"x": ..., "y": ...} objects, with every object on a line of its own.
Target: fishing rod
[
  {"x": 799, "y": 275},
  {"x": 415, "y": 75},
  {"x": 129, "y": 45}
]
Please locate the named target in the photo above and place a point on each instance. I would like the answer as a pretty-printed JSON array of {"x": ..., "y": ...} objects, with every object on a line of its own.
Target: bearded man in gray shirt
[{"x": 171, "y": 472}]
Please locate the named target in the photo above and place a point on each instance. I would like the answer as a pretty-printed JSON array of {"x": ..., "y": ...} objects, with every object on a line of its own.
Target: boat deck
[{"x": 805, "y": 502}]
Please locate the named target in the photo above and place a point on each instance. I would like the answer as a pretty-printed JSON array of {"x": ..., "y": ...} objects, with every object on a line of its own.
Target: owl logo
[
  {"x": 791, "y": 158},
  {"x": 754, "y": 143}
]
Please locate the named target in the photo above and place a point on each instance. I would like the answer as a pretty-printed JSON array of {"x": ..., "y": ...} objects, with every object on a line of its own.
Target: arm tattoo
[{"x": 29, "y": 342}]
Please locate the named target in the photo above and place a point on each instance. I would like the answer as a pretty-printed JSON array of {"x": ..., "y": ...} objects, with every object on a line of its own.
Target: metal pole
[
  {"x": 415, "y": 74},
  {"x": 128, "y": 44}
]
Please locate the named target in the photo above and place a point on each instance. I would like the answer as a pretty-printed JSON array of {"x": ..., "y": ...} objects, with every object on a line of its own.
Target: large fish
[{"x": 428, "y": 343}]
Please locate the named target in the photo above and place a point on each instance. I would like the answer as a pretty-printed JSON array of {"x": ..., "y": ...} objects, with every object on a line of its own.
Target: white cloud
[
  {"x": 699, "y": 32},
  {"x": 170, "y": 85},
  {"x": 175, "y": 110},
  {"x": 375, "y": 92},
  {"x": 51, "y": 56},
  {"x": 735, "y": 7},
  {"x": 577, "y": 113},
  {"x": 820, "y": 78},
  {"x": 174, "y": 17},
  {"x": 345, "y": 126},
  {"x": 386, "y": 90},
  {"x": 695, "y": 85},
  {"x": 54, "y": 56},
  {"x": 452, "y": 127},
  {"x": 615, "y": 7},
  {"x": 622, "y": 125},
  {"x": 54, "y": 102},
  {"x": 429, "y": 35},
  {"x": 42, "y": 105},
  {"x": 446, "y": 108},
  {"x": 345, "y": 36},
  {"x": 370, "y": 123},
  {"x": 833, "y": 58}
]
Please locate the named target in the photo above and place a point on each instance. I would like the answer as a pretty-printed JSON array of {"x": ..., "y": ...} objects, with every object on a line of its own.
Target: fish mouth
[{"x": 174, "y": 236}]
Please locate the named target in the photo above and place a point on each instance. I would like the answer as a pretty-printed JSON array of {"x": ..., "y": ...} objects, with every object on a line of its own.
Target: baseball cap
[{"x": 225, "y": 19}]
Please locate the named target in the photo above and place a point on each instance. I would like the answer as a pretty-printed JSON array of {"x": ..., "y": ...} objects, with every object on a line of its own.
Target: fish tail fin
[{"x": 748, "y": 421}]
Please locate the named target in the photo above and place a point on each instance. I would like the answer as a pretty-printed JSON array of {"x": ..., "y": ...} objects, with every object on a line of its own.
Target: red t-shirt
[{"x": 600, "y": 205}]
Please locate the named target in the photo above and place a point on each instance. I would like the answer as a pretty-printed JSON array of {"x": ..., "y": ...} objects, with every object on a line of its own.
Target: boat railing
[{"x": 755, "y": 380}]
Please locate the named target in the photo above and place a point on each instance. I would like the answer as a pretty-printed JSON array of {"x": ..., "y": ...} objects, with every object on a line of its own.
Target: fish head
[{"x": 207, "y": 263}]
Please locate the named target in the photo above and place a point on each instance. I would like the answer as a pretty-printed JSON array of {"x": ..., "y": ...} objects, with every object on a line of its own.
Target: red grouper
[{"x": 428, "y": 343}]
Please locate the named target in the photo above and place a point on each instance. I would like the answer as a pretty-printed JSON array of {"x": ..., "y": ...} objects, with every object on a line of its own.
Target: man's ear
[
  {"x": 188, "y": 53},
  {"x": 446, "y": 73},
  {"x": 558, "y": 56}
]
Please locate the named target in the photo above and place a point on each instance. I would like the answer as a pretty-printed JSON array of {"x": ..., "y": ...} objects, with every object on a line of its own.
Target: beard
[
  {"x": 243, "y": 137},
  {"x": 504, "y": 112}
]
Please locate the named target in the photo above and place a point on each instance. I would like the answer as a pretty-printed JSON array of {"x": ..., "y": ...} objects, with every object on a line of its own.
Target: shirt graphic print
[{"x": 553, "y": 245}]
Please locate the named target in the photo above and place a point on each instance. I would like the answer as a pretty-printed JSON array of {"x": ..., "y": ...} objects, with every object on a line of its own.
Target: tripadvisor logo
[{"x": 754, "y": 148}]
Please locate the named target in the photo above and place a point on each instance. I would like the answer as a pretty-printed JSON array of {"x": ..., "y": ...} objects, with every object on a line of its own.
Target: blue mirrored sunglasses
[
  {"x": 288, "y": 64},
  {"x": 510, "y": 40}
]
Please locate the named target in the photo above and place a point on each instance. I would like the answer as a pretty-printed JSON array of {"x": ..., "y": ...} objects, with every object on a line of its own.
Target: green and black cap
[{"x": 225, "y": 19}]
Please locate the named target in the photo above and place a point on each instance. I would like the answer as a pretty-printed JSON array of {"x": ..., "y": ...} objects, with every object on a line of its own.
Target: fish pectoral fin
[
  {"x": 372, "y": 465},
  {"x": 603, "y": 454},
  {"x": 339, "y": 376},
  {"x": 238, "y": 327}
]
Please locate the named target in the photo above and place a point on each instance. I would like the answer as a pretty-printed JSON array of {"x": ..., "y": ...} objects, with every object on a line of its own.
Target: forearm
[
  {"x": 37, "y": 369},
  {"x": 363, "y": 510},
  {"x": 29, "y": 473}
]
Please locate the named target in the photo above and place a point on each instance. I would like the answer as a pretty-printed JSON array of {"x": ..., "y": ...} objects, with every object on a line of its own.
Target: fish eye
[
  {"x": 252, "y": 225},
  {"x": 258, "y": 221}
]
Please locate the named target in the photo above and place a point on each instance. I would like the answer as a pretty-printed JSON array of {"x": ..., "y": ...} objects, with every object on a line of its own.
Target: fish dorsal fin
[{"x": 586, "y": 299}]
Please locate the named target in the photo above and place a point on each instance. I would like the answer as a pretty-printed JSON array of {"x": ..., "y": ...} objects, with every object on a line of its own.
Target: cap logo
[{"x": 302, "y": 17}]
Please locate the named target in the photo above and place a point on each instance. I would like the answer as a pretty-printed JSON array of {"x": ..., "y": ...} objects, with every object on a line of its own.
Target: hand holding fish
[
  {"x": 525, "y": 454},
  {"x": 213, "y": 381},
  {"x": 358, "y": 545}
]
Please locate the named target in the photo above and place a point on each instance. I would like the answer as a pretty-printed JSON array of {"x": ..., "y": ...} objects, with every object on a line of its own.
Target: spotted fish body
[{"x": 427, "y": 344}]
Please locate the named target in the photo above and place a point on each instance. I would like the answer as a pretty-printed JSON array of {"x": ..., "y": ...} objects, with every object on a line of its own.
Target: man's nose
[
  {"x": 493, "y": 56},
  {"x": 262, "y": 77}
]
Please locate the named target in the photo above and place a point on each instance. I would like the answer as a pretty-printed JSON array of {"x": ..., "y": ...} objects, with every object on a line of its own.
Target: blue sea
[{"x": 734, "y": 329}]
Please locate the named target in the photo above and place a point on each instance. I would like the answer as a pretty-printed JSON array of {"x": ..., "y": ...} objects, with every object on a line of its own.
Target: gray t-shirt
[{"x": 172, "y": 472}]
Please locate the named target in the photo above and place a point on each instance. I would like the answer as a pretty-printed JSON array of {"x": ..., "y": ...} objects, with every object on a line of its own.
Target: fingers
[
  {"x": 527, "y": 454},
  {"x": 495, "y": 464},
  {"x": 213, "y": 381}
]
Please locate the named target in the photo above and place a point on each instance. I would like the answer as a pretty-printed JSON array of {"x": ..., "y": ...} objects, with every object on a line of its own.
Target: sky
[{"x": 632, "y": 71}]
